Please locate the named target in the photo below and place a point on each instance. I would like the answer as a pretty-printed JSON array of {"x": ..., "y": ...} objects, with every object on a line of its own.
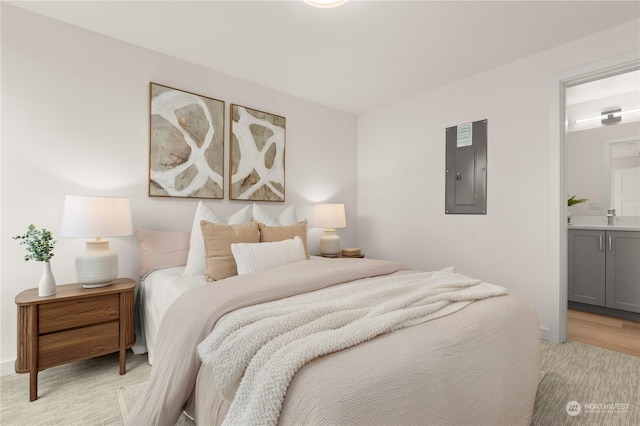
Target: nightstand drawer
[
  {"x": 81, "y": 343},
  {"x": 78, "y": 312}
]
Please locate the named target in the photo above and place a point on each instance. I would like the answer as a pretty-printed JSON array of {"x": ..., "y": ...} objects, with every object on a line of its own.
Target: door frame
[{"x": 558, "y": 256}]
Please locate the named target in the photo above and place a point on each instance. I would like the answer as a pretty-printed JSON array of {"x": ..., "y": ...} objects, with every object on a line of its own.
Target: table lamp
[
  {"x": 96, "y": 217},
  {"x": 329, "y": 217}
]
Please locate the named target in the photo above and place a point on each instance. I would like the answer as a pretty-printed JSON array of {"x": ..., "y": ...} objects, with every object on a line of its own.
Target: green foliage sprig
[
  {"x": 39, "y": 244},
  {"x": 573, "y": 200}
]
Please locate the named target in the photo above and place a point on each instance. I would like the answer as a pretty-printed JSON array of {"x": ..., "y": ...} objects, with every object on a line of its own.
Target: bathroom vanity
[{"x": 604, "y": 266}]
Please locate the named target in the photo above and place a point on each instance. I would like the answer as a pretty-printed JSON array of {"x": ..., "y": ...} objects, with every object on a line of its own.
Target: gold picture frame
[
  {"x": 257, "y": 155},
  {"x": 186, "y": 144}
]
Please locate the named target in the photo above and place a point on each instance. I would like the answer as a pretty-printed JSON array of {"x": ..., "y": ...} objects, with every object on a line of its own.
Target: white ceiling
[{"x": 356, "y": 57}]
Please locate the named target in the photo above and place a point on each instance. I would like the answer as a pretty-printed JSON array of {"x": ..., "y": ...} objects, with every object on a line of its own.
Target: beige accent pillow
[
  {"x": 162, "y": 249},
  {"x": 270, "y": 234},
  {"x": 217, "y": 242}
]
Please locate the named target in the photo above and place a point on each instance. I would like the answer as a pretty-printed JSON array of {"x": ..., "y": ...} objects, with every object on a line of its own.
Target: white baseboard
[
  {"x": 7, "y": 368},
  {"x": 545, "y": 335}
]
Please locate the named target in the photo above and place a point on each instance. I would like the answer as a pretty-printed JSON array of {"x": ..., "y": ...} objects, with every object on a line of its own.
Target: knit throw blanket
[{"x": 256, "y": 351}]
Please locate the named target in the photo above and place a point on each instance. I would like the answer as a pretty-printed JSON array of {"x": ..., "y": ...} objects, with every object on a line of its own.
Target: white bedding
[
  {"x": 485, "y": 355},
  {"x": 157, "y": 292},
  {"x": 255, "y": 351}
]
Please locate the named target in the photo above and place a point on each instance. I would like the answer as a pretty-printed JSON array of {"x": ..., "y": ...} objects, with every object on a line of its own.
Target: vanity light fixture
[
  {"x": 609, "y": 117},
  {"x": 325, "y": 4}
]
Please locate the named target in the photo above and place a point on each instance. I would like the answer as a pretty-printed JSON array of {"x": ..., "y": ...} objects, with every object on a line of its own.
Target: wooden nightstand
[{"x": 75, "y": 324}]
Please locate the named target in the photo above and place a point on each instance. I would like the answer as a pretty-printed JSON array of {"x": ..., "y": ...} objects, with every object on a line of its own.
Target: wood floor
[{"x": 606, "y": 332}]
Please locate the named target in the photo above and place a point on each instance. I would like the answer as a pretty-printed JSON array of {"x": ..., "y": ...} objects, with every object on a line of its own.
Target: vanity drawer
[{"x": 74, "y": 313}]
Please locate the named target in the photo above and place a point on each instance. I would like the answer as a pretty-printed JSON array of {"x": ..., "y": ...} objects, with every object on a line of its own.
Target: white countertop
[
  {"x": 621, "y": 223},
  {"x": 605, "y": 227}
]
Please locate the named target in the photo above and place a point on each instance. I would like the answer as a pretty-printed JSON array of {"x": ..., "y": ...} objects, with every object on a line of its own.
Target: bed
[
  {"x": 244, "y": 327},
  {"x": 477, "y": 365},
  {"x": 157, "y": 291}
]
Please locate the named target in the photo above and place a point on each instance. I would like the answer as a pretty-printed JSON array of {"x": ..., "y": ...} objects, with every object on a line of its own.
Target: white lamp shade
[
  {"x": 96, "y": 217},
  {"x": 329, "y": 216}
]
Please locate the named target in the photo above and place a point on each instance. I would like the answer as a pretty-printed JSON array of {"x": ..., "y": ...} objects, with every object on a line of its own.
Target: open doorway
[
  {"x": 558, "y": 209},
  {"x": 602, "y": 170}
]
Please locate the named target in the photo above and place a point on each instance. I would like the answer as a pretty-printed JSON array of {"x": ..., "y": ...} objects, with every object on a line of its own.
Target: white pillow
[
  {"x": 253, "y": 257},
  {"x": 287, "y": 217},
  {"x": 196, "y": 264}
]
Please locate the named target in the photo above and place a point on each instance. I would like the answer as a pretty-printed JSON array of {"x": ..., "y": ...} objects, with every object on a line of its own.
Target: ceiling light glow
[{"x": 325, "y": 4}]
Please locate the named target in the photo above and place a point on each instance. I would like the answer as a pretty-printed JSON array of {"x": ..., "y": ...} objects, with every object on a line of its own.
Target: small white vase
[{"x": 47, "y": 286}]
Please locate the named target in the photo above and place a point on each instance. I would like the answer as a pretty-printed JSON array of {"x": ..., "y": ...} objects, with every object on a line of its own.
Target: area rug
[
  {"x": 128, "y": 396},
  {"x": 587, "y": 385},
  {"x": 541, "y": 375}
]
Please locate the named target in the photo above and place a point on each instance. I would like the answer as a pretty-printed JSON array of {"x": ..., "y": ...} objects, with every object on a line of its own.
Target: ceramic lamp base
[
  {"x": 330, "y": 243},
  {"x": 98, "y": 265}
]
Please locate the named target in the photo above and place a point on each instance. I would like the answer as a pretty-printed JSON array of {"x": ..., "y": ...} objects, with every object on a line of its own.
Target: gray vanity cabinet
[
  {"x": 587, "y": 267},
  {"x": 623, "y": 270},
  {"x": 604, "y": 268}
]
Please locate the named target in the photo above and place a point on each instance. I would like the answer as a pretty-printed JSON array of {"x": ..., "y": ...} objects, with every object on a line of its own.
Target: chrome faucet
[{"x": 611, "y": 213}]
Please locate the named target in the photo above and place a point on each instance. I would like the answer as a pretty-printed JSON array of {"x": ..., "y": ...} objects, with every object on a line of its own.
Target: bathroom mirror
[
  {"x": 603, "y": 166},
  {"x": 621, "y": 176},
  {"x": 603, "y": 154}
]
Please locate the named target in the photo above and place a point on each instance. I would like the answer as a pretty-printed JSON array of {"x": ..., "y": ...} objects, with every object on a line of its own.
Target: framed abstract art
[
  {"x": 257, "y": 162},
  {"x": 186, "y": 148}
]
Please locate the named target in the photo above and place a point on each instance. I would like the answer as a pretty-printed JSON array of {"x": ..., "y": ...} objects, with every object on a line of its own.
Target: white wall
[
  {"x": 584, "y": 164},
  {"x": 75, "y": 119},
  {"x": 401, "y": 174}
]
